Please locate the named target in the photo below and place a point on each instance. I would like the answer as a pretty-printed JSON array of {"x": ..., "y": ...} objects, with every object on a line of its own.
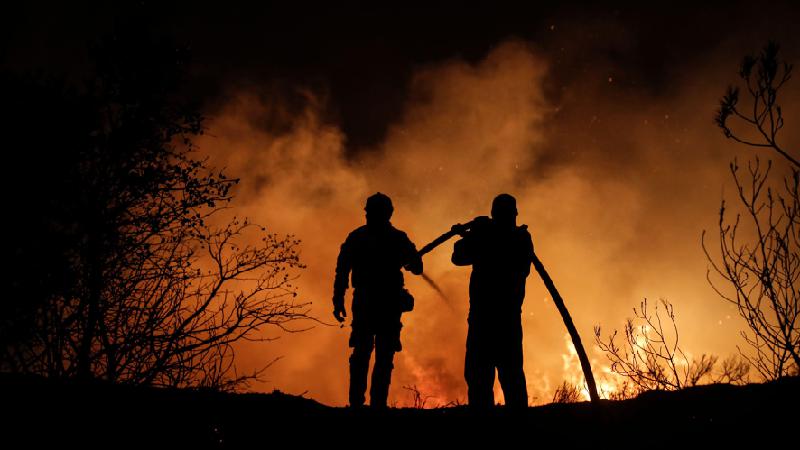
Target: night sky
[{"x": 361, "y": 57}]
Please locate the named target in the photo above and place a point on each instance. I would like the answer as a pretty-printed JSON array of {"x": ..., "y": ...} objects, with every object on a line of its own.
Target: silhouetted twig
[
  {"x": 419, "y": 400},
  {"x": 650, "y": 356},
  {"x": 567, "y": 393}
]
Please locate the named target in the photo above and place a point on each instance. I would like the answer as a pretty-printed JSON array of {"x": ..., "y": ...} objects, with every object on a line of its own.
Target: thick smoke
[{"x": 615, "y": 185}]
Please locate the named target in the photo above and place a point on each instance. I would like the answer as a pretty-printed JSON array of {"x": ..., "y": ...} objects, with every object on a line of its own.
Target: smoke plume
[{"x": 615, "y": 185}]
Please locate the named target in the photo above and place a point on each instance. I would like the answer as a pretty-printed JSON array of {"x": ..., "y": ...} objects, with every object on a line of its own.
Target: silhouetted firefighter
[
  {"x": 374, "y": 253},
  {"x": 499, "y": 252}
]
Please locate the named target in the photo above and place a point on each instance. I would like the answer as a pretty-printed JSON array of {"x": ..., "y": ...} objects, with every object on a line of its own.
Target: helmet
[
  {"x": 379, "y": 203},
  {"x": 504, "y": 205}
]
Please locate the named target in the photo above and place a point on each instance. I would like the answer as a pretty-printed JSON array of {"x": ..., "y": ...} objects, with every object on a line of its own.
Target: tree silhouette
[
  {"x": 650, "y": 356},
  {"x": 137, "y": 284},
  {"x": 759, "y": 249}
]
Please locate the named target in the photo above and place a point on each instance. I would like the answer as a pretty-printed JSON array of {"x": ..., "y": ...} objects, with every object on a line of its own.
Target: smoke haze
[{"x": 616, "y": 186}]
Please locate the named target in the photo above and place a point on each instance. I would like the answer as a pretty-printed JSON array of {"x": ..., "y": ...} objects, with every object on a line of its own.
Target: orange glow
[{"x": 615, "y": 187}]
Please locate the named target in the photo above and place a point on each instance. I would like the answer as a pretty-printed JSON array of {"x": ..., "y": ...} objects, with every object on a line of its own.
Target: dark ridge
[{"x": 42, "y": 413}]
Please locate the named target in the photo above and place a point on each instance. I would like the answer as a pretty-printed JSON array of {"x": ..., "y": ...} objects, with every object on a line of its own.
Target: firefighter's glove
[
  {"x": 339, "y": 312},
  {"x": 459, "y": 229}
]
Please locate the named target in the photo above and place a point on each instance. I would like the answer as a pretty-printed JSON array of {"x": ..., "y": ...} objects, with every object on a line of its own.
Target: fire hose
[{"x": 460, "y": 229}]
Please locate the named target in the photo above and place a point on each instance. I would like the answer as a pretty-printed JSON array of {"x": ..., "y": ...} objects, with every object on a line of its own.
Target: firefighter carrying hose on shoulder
[{"x": 500, "y": 254}]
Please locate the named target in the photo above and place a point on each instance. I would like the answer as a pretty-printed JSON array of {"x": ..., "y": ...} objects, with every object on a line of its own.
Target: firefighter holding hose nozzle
[{"x": 500, "y": 254}]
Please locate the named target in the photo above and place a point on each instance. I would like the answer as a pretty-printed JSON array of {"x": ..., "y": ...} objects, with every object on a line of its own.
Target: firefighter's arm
[
  {"x": 413, "y": 259},
  {"x": 463, "y": 252},
  {"x": 528, "y": 243},
  {"x": 527, "y": 240},
  {"x": 341, "y": 281}
]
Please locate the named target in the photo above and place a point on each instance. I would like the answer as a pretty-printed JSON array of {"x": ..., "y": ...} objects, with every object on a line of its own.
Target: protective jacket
[
  {"x": 375, "y": 257},
  {"x": 501, "y": 262}
]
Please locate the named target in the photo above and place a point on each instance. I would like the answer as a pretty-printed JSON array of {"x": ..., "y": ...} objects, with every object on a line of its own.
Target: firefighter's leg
[
  {"x": 362, "y": 343},
  {"x": 478, "y": 368},
  {"x": 509, "y": 365},
  {"x": 387, "y": 342}
]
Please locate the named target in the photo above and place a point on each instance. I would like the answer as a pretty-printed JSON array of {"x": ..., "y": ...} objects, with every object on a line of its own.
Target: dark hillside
[{"x": 46, "y": 414}]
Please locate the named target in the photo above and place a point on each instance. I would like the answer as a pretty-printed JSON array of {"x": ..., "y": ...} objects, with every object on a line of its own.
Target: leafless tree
[
  {"x": 177, "y": 320},
  {"x": 650, "y": 356},
  {"x": 764, "y": 76},
  {"x": 157, "y": 294},
  {"x": 758, "y": 257},
  {"x": 733, "y": 369}
]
